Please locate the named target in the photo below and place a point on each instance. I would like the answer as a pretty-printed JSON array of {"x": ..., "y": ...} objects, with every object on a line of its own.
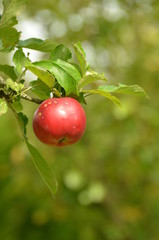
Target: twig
[
  {"x": 31, "y": 99},
  {"x": 22, "y": 95}
]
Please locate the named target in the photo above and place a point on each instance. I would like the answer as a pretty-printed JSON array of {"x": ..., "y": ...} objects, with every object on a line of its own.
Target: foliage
[
  {"x": 62, "y": 76},
  {"x": 108, "y": 182}
]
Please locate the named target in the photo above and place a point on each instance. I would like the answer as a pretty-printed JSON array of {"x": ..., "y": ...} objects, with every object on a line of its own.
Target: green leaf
[
  {"x": 11, "y": 8},
  {"x": 69, "y": 68},
  {"x": 64, "y": 79},
  {"x": 61, "y": 52},
  {"x": 104, "y": 94},
  {"x": 17, "y": 87},
  {"x": 125, "y": 89},
  {"x": 91, "y": 77},
  {"x": 45, "y": 64},
  {"x": 23, "y": 121},
  {"x": 79, "y": 45},
  {"x": 11, "y": 22},
  {"x": 19, "y": 60},
  {"x": 80, "y": 98},
  {"x": 18, "y": 107},
  {"x": 9, "y": 71},
  {"x": 43, "y": 168},
  {"x": 66, "y": 66},
  {"x": 1, "y": 45},
  {"x": 59, "y": 69},
  {"x": 67, "y": 75},
  {"x": 37, "y": 44},
  {"x": 44, "y": 76},
  {"x": 3, "y": 107},
  {"x": 81, "y": 55},
  {"x": 40, "y": 89},
  {"x": 9, "y": 36}
]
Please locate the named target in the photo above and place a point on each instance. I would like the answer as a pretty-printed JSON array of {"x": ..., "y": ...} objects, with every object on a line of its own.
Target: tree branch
[
  {"x": 22, "y": 95},
  {"x": 31, "y": 99}
]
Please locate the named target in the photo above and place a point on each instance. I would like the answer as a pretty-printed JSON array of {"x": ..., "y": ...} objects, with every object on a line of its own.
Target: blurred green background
[{"x": 109, "y": 181}]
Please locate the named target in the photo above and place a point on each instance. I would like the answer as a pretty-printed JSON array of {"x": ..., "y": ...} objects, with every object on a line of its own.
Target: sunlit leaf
[
  {"x": 91, "y": 78},
  {"x": 61, "y": 52},
  {"x": 37, "y": 44},
  {"x": 66, "y": 74},
  {"x": 79, "y": 46},
  {"x": 44, "y": 76},
  {"x": 9, "y": 71},
  {"x": 9, "y": 36},
  {"x": 17, "y": 106},
  {"x": 69, "y": 68},
  {"x": 19, "y": 60},
  {"x": 43, "y": 168},
  {"x": 104, "y": 94},
  {"x": 125, "y": 89},
  {"x": 45, "y": 64},
  {"x": 11, "y": 8},
  {"x": 64, "y": 79},
  {"x": 40, "y": 89},
  {"x": 17, "y": 87},
  {"x": 1, "y": 44},
  {"x": 81, "y": 55},
  {"x": 23, "y": 121},
  {"x": 66, "y": 66},
  {"x": 3, "y": 107}
]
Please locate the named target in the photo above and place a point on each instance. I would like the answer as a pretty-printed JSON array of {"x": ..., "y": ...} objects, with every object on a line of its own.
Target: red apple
[{"x": 59, "y": 121}]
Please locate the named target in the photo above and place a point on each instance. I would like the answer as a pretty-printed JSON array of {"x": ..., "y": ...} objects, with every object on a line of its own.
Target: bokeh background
[{"x": 109, "y": 181}]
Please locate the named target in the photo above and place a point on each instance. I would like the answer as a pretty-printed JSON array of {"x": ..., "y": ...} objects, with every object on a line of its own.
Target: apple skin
[{"x": 59, "y": 121}]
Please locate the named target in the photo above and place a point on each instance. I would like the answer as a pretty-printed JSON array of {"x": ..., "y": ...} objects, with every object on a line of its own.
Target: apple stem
[{"x": 56, "y": 93}]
